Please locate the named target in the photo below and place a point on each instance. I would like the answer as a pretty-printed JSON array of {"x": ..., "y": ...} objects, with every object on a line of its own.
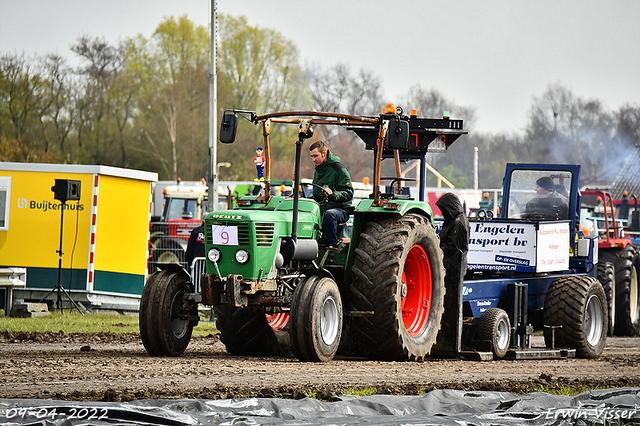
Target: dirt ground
[{"x": 105, "y": 367}]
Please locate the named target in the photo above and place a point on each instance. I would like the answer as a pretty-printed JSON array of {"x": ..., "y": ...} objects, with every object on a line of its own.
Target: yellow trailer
[{"x": 104, "y": 236}]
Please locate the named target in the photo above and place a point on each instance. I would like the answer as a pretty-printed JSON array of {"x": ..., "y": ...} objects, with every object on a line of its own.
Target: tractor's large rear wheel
[
  {"x": 316, "y": 319},
  {"x": 399, "y": 278},
  {"x": 576, "y": 306},
  {"x": 165, "y": 327},
  {"x": 607, "y": 277},
  {"x": 246, "y": 331},
  {"x": 627, "y": 294}
]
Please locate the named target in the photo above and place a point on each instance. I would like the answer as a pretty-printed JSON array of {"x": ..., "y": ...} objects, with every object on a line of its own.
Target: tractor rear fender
[
  {"x": 398, "y": 207},
  {"x": 365, "y": 213}
]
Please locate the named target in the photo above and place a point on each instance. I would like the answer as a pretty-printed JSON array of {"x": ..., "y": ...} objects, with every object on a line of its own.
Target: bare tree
[
  {"x": 96, "y": 102},
  {"x": 628, "y": 124},
  {"x": 566, "y": 129},
  {"x": 335, "y": 89},
  {"x": 56, "y": 108},
  {"x": 431, "y": 103},
  {"x": 19, "y": 84}
]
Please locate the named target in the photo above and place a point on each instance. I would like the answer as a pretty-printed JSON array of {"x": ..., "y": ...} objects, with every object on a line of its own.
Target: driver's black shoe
[{"x": 324, "y": 246}]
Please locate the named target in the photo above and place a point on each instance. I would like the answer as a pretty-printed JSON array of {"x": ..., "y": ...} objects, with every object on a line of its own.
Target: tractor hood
[{"x": 259, "y": 233}]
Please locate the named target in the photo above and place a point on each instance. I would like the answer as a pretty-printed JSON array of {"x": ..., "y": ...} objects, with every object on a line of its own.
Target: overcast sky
[{"x": 491, "y": 55}]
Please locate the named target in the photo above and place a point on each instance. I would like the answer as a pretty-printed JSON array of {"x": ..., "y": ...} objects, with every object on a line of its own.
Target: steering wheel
[
  {"x": 325, "y": 200},
  {"x": 536, "y": 216}
]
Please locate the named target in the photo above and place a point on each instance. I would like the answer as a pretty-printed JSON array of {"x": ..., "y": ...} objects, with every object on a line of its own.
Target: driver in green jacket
[{"x": 331, "y": 175}]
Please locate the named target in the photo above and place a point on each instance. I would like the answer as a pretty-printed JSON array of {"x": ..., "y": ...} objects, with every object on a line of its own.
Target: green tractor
[{"x": 379, "y": 294}]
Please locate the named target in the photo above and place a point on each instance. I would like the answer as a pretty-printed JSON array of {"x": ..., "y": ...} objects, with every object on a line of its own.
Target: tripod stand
[{"x": 59, "y": 288}]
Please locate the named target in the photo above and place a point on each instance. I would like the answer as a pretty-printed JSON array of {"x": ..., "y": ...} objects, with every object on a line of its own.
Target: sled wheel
[
  {"x": 398, "y": 275},
  {"x": 246, "y": 331},
  {"x": 495, "y": 327},
  {"x": 627, "y": 306},
  {"x": 607, "y": 277},
  {"x": 278, "y": 321},
  {"x": 165, "y": 328},
  {"x": 316, "y": 319},
  {"x": 578, "y": 304}
]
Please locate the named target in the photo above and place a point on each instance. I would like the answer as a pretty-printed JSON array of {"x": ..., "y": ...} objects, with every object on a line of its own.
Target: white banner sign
[
  {"x": 553, "y": 247},
  {"x": 500, "y": 246}
]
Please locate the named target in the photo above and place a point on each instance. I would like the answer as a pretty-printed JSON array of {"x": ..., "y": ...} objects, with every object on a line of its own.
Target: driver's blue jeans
[{"x": 330, "y": 221}]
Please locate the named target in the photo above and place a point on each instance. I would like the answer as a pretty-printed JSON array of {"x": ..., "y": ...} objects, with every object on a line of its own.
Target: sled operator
[{"x": 548, "y": 203}]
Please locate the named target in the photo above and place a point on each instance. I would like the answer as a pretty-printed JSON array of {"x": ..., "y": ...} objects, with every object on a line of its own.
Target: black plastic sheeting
[{"x": 438, "y": 407}]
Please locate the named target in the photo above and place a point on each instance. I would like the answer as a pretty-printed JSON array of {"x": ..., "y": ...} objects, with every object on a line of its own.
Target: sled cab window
[{"x": 539, "y": 195}]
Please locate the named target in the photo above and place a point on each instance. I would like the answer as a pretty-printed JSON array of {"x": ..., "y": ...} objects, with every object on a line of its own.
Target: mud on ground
[{"x": 109, "y": 367}]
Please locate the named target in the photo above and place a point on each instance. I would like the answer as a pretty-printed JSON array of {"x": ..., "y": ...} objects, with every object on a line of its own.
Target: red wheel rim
[
  {"x": 278, "y": 321},
  {"x": 415, "y": 300}
]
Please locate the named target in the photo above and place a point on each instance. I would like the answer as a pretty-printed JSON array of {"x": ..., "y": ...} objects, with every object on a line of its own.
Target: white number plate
[{"x": 225, "y": 235}]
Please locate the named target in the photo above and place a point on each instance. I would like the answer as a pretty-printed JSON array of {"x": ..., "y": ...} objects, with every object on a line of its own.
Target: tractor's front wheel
[
  {"x": 399, "y": 279},
  {"x": 316, "y": 319},
  {"x": 247, "y": 331},
  {"x": 165, "y": 326},
  {"x": 576, "y": 307}
]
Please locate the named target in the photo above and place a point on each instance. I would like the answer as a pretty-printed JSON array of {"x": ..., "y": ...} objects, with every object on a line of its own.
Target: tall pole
[
  {"x": 212, "y": 203},
  {"x": 475, "y": 168},
  {"x": 59, "y": 286}
]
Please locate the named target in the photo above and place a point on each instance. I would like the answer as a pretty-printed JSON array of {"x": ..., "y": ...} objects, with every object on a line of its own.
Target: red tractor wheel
[
  {"x": 397, "y": 276},
  {"x": 278, "y": 321},
  {"x": 247, "y": 332},
  {"x": 416, "y": 291}
]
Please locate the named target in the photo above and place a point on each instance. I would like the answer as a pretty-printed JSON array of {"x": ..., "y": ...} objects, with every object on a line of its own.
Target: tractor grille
[
  {"x": 264, "y": 233},
  {"x": 243, "y": 234}
]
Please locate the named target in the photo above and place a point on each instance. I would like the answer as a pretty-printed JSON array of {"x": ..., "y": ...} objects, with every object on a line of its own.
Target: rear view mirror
[
  {"x": 398, "y": 134},
  {"x": 228, "y": 127}
]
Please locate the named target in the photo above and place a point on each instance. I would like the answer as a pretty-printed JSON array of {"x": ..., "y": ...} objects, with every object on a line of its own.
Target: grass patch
[
  {"x": 73, "y": 322},
  {"x": 564, "y": 390},
  {"x": 360, "y": 392},
  {"x": 205, "y": 327},
  {"x": 311, "y": 392}
]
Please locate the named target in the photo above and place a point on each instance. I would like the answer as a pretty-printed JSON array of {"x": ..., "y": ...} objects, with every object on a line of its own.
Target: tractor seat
[
  {"x": 342, "y": 225},
  {"x": 340, "y": 230}
]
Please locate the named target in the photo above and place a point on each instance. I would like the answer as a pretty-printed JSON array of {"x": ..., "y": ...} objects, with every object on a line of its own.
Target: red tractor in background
[
  {"x": 182, "y": 212},
  {"x": 618, "y": 262}
]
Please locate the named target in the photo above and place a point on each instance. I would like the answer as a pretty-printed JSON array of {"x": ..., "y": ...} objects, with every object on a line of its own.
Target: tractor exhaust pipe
[{"x": 290, "y": 248}]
